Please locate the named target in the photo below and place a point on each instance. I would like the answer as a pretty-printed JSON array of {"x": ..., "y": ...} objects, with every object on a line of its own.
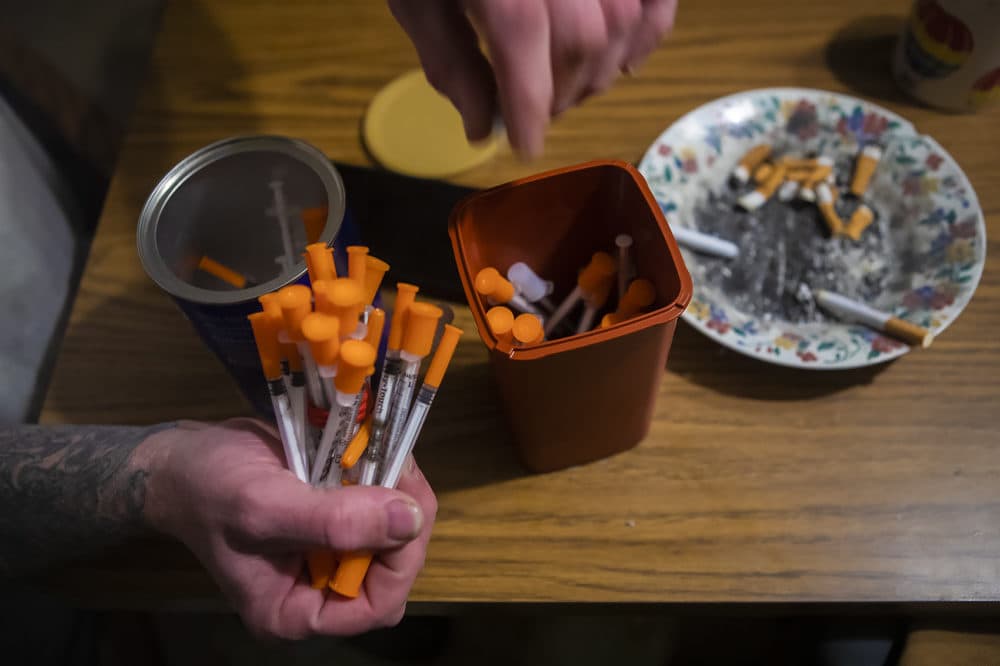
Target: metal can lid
[{"x": 238, "y": 201}]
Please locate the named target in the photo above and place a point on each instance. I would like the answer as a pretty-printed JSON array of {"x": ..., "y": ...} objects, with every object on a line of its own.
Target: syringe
[
  {"x": 392, "y": 366},
  {"x": 501, "y": 322},
  {"x": 624, "y": 244},
  {"x": 356, "y": 361},
  {"x": 265, "y": 334},
  {"x": 296, "y": 303},
  {"x": 353, "y": 567},
  {"x": 321, "y": 266},
  {"x": 281, "y": 212},
  {"x": 640, "y": 295},
  {"x": 595, "y": 276},
  {"x": 295, "y": 382},
  {"x": 418, "y": 336},
  {"x": 497, "y": 290},
  {"x": 530, "y": 285},
  {"x": 527, "y": 330}
]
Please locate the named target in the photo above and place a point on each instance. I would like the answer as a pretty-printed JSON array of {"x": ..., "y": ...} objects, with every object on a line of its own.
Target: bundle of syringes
[{"x": 319, "y": 346}]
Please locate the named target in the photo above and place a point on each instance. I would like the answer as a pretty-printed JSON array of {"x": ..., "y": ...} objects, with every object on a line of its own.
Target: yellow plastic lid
[
  {"x": 421, "y": 325},
  {"x": 357, "y": 361},
  {"x": 375, "y": 270},
  {"x": 323, "y": 333},
  {"x": 405, "y": 294},
  {"x": 296, "y": 302},
  {"x": 411, "y": 128}
]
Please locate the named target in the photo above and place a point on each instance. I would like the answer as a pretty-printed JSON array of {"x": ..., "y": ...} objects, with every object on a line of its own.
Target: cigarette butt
[
  {"x": 911, "y": 334},
  {"x": 757, "y": 198},
  {"x": 224, "y": 273},
  {"x": 788, "y": 190},
  {"x": 847, "y": 308},
  {"x": 824, "y": 201},
  {"x": 357, "y": 447},
  {"x": 864, "y": 169},
  {"x": 819, "y": 174},
  {"x": 762, "y": 171},
  {"x": 314, "y": 220},
  {"x": 798, "y": 163},
  {"x": 750, "y": 161},
  {"x": 859, "y": 221},
  {"x": 321, "y": 564},
  {"x": 350, "y": 574}
]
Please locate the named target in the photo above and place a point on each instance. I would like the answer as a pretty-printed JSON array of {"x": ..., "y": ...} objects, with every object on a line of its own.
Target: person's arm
[
  {"x": 223, "y": 490},
  {"x": 544, "y": 56},
  {"x": 67, "y": 490}
]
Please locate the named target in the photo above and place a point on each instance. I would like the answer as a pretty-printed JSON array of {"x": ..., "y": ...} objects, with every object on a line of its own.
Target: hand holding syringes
[{"x": 353, "y": 567}]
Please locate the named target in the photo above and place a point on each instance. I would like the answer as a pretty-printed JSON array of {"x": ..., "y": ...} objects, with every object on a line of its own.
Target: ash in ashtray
[{"x": 786, "y": 252}]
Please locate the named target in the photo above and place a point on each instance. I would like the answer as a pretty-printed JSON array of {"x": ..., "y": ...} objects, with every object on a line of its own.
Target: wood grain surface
[{"x": 755, "y": 484}]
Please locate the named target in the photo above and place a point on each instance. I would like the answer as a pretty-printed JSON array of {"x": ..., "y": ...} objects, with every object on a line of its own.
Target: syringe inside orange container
[{"x": 556, "y": 394}]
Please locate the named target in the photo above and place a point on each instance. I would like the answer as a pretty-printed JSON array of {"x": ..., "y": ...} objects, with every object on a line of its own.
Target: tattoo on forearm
[{"x": 67, "y": 490}]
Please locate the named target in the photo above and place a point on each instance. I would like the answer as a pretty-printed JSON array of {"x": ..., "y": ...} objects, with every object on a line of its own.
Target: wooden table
[{"x": 756, "y": 483}]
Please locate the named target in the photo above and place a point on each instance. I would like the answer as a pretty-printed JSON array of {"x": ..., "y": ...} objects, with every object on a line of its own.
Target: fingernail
[
  {"x": 411, "y": 464},
  {"x": 405, "y": 519}
]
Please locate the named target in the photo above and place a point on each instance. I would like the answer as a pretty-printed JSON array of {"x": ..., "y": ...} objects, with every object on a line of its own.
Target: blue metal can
[{"x": 239, "y": 203}]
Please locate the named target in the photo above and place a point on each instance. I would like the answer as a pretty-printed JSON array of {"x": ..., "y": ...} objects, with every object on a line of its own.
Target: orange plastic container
[{"x": 576, "y": 399}]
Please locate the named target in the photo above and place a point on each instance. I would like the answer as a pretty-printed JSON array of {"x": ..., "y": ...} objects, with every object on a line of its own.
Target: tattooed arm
[
  {"x": 224, "y": 492},
  {"x": 67, "y": 490}
]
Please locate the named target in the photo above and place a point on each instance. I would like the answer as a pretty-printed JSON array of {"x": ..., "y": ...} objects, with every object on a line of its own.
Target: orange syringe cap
[
  {"x": 314, "y": 220},
  {"x": 357, "y": 262},
  {"x": 296, "y": 302},
  {"x": 405, "y": 294},
  {"x": 501, "y": 321},
  {"x": 346, "y": 301},
  {"x": 442, "y": 355},
  {"x": 323, "y": 333},
  {"x": 223, "y": 272},
  {"x": 640, "y": 295},
  {"x": 357, "y": 361},
  {"x": 320, "y": 260},
  {"x": 491, "y": 284},
  {"x": 421, "y": 325},
  {"x": 528, "y": 329},
  {"x": 356, "y": 448},
  {"x": 265, "y": 334},
  {"x": 375, "y": 270},
  {"x": 376, "y": 323}
]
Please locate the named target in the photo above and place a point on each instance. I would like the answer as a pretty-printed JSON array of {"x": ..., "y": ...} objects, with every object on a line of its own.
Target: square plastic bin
[{"x": 581, "y": 398}]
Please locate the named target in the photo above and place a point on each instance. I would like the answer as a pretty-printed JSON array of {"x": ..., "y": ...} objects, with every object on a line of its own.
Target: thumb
[{"x": 287, "y": 513}]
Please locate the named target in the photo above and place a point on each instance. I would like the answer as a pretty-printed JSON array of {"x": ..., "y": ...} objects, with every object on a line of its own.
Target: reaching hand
[
  {"x": 224, "y": 491},
  {"x": 544, "y": 55}
]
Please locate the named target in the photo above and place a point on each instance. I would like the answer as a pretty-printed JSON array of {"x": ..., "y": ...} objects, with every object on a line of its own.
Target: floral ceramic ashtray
[{"x": 919, "y": 257}]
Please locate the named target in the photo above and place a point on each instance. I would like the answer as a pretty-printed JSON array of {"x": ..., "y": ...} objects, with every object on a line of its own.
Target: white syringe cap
[{"x": 532, "y": 287}]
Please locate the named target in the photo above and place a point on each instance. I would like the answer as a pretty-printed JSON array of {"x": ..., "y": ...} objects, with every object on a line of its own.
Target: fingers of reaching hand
[
  {"x": 657, "y": 20},
  {"x": 449, "y": 53},
  {"x": 516, "y": 33}
]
